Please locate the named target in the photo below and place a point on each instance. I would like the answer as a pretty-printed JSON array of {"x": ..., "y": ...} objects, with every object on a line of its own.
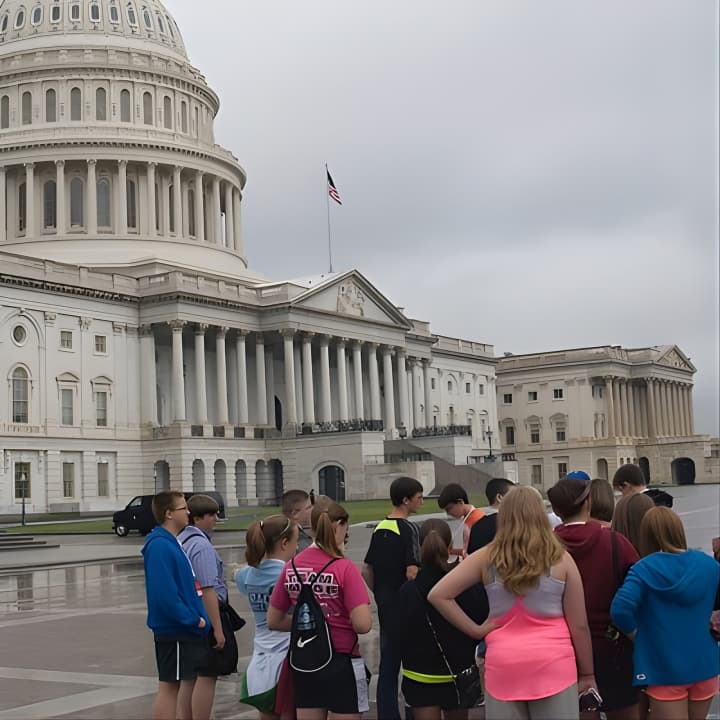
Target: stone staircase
[
  {"x": 21, "y": 541},
  {"x": 471, "y": 477}
]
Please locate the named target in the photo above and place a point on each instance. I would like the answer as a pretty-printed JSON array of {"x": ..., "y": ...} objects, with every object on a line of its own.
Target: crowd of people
[{"x": 592, "y": 605}]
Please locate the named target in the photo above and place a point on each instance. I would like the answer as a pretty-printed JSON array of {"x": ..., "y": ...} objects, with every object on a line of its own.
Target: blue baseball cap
[{"x": 578, "y": 475}]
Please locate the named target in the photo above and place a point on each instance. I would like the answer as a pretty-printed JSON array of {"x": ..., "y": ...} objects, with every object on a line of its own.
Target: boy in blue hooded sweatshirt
[{"x": 175, "y": 611}]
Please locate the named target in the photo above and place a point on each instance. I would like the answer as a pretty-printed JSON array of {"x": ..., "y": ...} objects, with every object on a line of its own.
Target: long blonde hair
[{"x": 525, "y": 546}]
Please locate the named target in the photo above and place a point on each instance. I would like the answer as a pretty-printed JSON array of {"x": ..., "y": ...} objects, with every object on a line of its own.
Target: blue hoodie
[
  {"x": 668, "y": 599},
  {"x": 174, "y": 605}
]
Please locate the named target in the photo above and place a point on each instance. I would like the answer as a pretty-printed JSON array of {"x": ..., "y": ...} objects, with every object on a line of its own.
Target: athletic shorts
[
  {"x": 702, "y": 690},
  {"x": 180, "y": 658},
  {"x": 341, "y": 687},
  {"x": 417, "y": 694}
]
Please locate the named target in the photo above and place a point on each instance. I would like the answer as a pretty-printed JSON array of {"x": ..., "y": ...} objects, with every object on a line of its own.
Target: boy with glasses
[
  {"x": 297, "y": 505},
  {"x": 175, "y": 611}
]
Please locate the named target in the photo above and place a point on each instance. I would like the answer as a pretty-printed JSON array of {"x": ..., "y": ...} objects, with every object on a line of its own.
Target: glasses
[{"x": 184, "y": 507}]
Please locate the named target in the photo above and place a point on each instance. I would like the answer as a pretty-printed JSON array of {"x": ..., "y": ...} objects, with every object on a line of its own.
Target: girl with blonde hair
[
  {"x": 539, "y": 654},
  {"x": 340, "y": 687}
]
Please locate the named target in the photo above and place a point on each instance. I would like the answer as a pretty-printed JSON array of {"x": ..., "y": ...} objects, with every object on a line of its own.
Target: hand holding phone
[{"x": 589, "y": 700}]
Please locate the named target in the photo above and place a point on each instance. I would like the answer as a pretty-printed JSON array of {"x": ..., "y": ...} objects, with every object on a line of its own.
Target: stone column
[
  {"x": 237, "y": 228},
  {"x": 148, "y": 378},
  {"x": 389, "y": 391},
  {"x": 270, "y": 384},
  {"x": 650, "y": 408},
  {"x": 427, "y": 385},
  {"x": 221, "y": 365},
  {"x": 609, "y": 396},
  {"x": 667, "y": 409},
  {"x": 691, "y": 419},
  {"x": 178, "y": 377},
  {"x": 341, "y": 361},
  {"x": 325, "y": 399},
  {"x": 29, "y": 200},
  {"x": 623, "y": 408},
  {"x": 121, "y": 198},
  {"x": 200, "y": 383},
  {"x": 165, "y": 204},
  {"x": 214, "y": 227},
  {"x": 441, "y": 395},
  {"x": 675, "y": 410},
  {"x": 289, "y": 367},
  {"x": 416, "y": 395},
  {"x": 657, "y": 395},
  {"x": 260, "y": 387},
  {"x": 357, "y": 372},
  {"x": 151, "y": 214},
  {"x": 297, "y": 362},
  {"x": 375, "y": 411},
  {"x": 632, "y": 431},
  {"x": 641, "y": 410},
  {"x": 200, "y": 210},
  {"x": 402, "y": 389},
  {"x": 61, "y": 220},
  {"x": 177, "y": 201},
  {"x": 229, "y": 222},
  {"x": 308, "y": 388},
  {"x": 242, "y": 377},
  {"x": 3, "y": 202}
]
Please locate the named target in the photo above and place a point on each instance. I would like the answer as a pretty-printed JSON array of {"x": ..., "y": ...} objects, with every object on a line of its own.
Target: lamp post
[
  {"x": 490, "y": 457},
  {"x": 23, "y": 479}
]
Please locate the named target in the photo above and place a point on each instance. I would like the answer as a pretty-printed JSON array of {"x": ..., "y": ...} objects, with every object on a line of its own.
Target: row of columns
[
  {"x": 213, "y": 190},
  {"x": 651, "y": 407}
]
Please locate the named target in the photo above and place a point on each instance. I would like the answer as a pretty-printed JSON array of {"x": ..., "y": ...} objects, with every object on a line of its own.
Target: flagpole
[{"x": 327, "y": 202}]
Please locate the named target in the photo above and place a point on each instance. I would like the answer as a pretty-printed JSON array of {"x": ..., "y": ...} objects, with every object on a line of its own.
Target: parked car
[{"x": 137, "y": 514}]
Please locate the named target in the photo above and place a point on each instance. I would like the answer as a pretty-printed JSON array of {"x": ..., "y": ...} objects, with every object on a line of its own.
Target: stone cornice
[{"x": 62, "y": 289}]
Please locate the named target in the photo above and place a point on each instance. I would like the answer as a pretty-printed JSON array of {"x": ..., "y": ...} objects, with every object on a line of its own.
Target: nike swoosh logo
[{"x": 302, "y": 643}]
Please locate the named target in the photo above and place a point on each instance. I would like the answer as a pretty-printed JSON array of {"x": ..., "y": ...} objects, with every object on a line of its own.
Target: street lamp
[
  {"x": 490, "y": 457},
  {"x": 23, "y": 479}
]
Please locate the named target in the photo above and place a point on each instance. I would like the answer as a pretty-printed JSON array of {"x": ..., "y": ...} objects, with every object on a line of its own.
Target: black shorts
[
  {"x": 614, "y": 672},
  {"x": 340, "y": 688},
  {"x": 419, "y": 694},
  {"x": 180, "y": 658}
]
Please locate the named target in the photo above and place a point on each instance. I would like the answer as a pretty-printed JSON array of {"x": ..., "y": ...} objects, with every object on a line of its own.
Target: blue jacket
[
  {"x": 174, "y": 606},
  {"x": 668, "y": 599}
]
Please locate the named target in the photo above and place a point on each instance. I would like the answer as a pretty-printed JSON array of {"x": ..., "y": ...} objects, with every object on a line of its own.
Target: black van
[{"x": 137, "y": 514}]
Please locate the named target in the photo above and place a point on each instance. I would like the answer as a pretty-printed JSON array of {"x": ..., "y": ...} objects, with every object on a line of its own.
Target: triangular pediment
[
  {"x": 674, "y": 357},
  {"x": 351, "y": 295}
]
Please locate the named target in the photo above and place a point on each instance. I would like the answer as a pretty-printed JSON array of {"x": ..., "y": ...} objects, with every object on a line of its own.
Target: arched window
[
  {"x": 103, "y": 203},
  {"x": 4, "y": 112},
  {"x": 131, "y": 16},
  {"x": 49, "y": 204},
  {"x": 124, "y": 106},
  {"x": 197, "y": 122},
  {"x": 100, "y": 104},
  {"x": 147, "y": 108},
  {"x": 22, "y": 207},
  {"x": 20, "y": 395},
  {"x": 75, "y": 12},
  {"x": 191, "y": 212},
  {"x": 36, "y": 17},
  {"x": 131, "y": 204},
  {"x": 183, "y": 116},
  {"x": 50, "y": 106},
  {"x": 94, "y": 12},
  {"x": 160, "y": 24},
  {"x": 169, "y": 25},
  {"x": 55, "y": 12},
  {"x": 147, "y": 18},
  {"x": 167, "y": 112},
  {"x": 114, "y": 14},
  {"x": 26, "y": 108},
  {"x": 19, "y": 18},
  {"x": 75, "y": 104},
  {"x": 171, "y": 207},
  {"x": 77, "y": 203},
  {"x": 4, "y": 23}
]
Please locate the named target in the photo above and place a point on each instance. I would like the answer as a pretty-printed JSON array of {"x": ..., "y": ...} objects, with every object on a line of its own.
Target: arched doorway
[
  {"x": 220, "y": 472},
  {"x": 241, "y": 481},
  {"x": 682, "y": 471},
  {"x": 644, "y": 464},
  {"x": 602, "y": 468},
  {"x": 161, "y": 472},
  {"x": 276, "y": 478},
  {"x": 332, "y": 482},
  {"x": 278, "y": 415},
  {"x": 263, "y": 483},
  {"x": 198, "y": 475}
]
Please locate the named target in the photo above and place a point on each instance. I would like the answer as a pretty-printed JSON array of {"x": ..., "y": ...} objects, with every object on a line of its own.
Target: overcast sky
[{"x": 532, "y": 175}]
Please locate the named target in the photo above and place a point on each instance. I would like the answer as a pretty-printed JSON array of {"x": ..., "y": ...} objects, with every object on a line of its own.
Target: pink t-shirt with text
[{"x": 339, "y": 590}]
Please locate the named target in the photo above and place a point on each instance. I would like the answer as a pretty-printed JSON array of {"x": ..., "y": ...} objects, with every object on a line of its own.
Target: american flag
[{"x": 332, "y": 190}]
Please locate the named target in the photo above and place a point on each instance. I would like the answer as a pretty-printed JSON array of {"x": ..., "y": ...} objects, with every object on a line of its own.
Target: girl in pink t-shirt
[{"x": 341, "y": 687}]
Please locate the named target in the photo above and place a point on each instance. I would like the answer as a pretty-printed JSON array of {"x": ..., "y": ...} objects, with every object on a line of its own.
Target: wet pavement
[{"x": 72, "y": 623}]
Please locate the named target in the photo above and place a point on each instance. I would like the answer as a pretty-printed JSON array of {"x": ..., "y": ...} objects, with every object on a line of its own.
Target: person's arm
[
  {"x": 576, "y": 618},
  {"x": 355, "y": 597},
  {"x": 627, "y": 601},
  {"x": 411, "y": 572},
  {"x": 411, "y": 537},
  {"x": 361, "y": 619},
  {"x": 368, "y": 574},
  {"x": 279, "y": 605},
  {"x": 443, "y": 595},
  {"x": 211, "y": 602},
  {"x": 279, "y": 620}
]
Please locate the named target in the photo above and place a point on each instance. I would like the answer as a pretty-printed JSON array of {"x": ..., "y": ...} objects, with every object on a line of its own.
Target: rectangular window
[
  {"x": 66, "y": 406},
  {"x": 467, "y": 388},
  {"x": 101, "y": 409},
  {"x": 597, "y": 391},
  {"x": 536, "y": 474},
  {"x": 449, "y": 385},
  {"x": 507, "y": 398},
  {"x": 558, "y": 394},
  {"x": 100, "y": 344},
  {"x": 432, "y": 383},
  {"x": 66, "y": 339},
  {"x": 560, "y": 433},
  {"x": 22, "y": 480},
  {"x": 510, "y": 435},
  {"x": 532, "y": 396},
  {"x": 562, "y": 470},
  {"x": 68, "y": 479},
  {"x": 481, "y": 389},
  {"x": 103, "y": 475},
  {"x": 534, "y": 434}
]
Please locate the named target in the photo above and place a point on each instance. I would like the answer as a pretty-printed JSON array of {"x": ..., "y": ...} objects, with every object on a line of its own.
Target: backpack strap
[{"x": 312, "y": 576}]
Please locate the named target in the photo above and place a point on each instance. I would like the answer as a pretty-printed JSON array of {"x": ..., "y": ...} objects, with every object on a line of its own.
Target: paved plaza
[{"x": 72, "y": 623}]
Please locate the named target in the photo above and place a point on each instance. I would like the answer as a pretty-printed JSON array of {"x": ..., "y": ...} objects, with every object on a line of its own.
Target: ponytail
[
  {"x": 325, "y": 514},
  {"x": 263, "y": 535},
  {"x": 435, "y": 539}
]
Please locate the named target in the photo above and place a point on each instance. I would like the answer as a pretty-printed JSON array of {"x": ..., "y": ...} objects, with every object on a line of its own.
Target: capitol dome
[{"x": 107, "y": 149}]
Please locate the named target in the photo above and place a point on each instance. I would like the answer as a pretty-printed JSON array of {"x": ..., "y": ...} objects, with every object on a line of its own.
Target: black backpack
[{"x": 311, "y": 647}]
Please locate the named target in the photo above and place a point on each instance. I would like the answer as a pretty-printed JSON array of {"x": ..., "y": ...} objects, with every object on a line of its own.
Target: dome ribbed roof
[{"x": 26, "y": 23}]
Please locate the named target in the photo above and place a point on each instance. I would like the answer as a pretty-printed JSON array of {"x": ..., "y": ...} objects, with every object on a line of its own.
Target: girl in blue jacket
[{"x": 666, "y": 600}]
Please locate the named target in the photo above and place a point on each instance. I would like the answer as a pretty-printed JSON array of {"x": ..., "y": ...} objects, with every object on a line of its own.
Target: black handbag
[{"x": 234, "y": 621}]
